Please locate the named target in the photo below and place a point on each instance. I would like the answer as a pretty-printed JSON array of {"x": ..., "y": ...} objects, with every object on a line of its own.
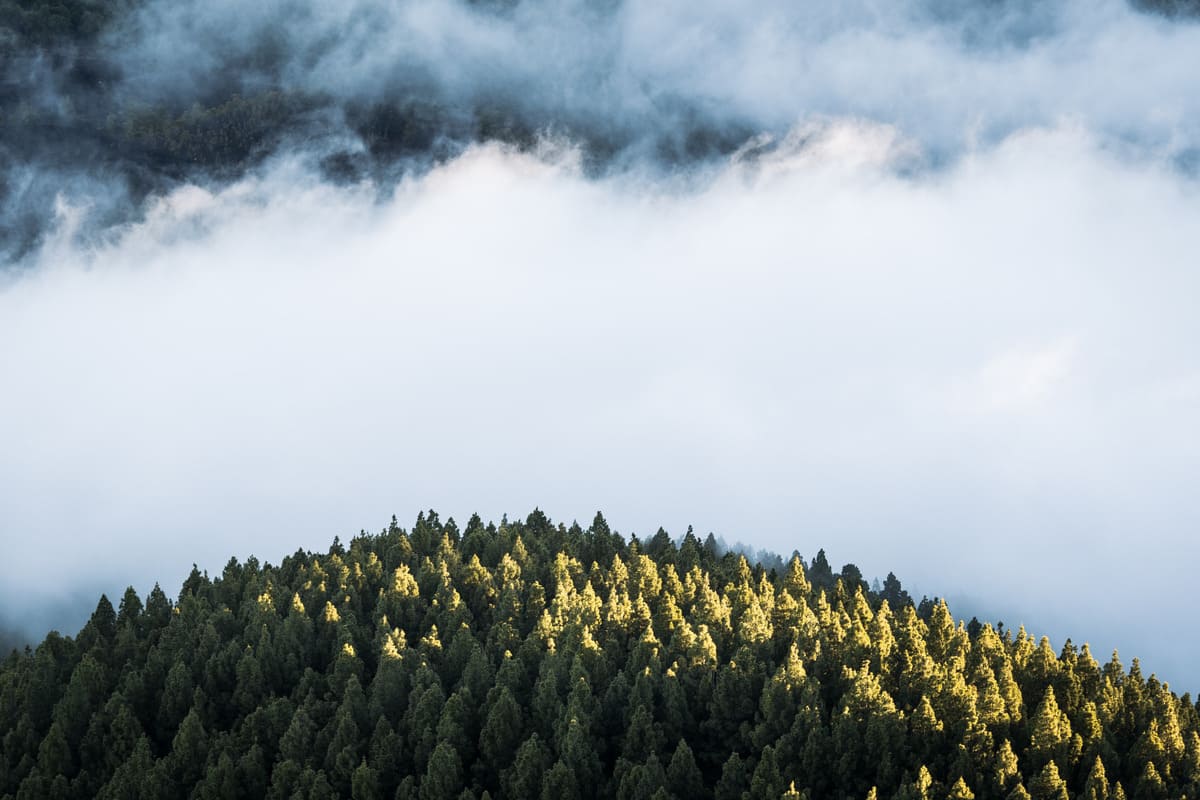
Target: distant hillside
[
  {"x": 107, "y": 103},
  {"x": 528, "y": 659}
]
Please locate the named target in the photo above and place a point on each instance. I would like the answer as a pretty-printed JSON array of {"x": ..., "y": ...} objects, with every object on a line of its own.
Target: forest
[
  {"x": 530, "y": 659},
  {"x": 868, "y": 249}
]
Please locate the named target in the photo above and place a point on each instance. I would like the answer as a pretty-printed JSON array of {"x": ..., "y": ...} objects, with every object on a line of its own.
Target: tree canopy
[{"x": 528, "y": 659}]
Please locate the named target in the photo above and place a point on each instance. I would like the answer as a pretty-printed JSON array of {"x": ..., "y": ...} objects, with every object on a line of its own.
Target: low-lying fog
[{"x": 983, "y": 376}]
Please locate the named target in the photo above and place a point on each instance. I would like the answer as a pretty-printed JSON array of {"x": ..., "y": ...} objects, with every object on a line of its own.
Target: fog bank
[
  {"x": 165, "y": 94},
  {"x": 982, "y": 377}
]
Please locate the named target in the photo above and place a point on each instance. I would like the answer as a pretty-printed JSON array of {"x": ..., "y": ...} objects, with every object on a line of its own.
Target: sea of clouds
[{"x": 937, "y": 315}]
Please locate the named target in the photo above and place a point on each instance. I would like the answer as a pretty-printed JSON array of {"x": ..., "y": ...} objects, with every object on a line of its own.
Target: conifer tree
[
  {"x": 1097, "y": 787},
  {"x": 734, "y": 779},
  {"x": 766, "y": 780},
  {"x": 1019, "y": 793},
  {"x": 683, "y": 776},
  {"x": 524, "y": 778},
  {"x": 560, "y": 784},
  {"x": 1150, "y": 785},
  {"x": 444, "y": 778},
  {"x": 960, "y": 791},
  {"x": 364, "y": 784},
  {"x": 1050, "y": 733},
  {"x": 1048, "y": 785},
  {"x": 501, "y": 732}
]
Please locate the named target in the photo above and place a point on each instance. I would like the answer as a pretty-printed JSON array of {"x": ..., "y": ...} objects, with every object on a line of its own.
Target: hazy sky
[{"x": 980, "y": 371}]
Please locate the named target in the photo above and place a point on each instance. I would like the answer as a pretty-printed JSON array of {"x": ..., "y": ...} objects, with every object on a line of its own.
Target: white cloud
[
  {"x": 943, "y": 74},
  {"x": 1016, "y": 380},
  {"x": 772, "y": 354}
]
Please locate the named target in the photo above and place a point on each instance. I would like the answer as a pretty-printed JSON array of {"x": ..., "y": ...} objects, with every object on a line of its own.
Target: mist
[
  {"x": 982, "y": 377},
  {"x": 156, "y": 95},
  {"x": 949, "y": 74}
]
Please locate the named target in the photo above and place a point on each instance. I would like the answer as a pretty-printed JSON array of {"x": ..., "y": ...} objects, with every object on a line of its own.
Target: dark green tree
[{"x": 444, "y": 778}]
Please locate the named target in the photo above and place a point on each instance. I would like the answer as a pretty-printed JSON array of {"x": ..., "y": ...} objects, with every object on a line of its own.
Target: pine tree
[
  {"x": 524, "y": 777},
  {"x": 129, "y": 778},
  {"x": 960, "y": 791},
  {"x": 920, "y": 788},
  {"x": 364, "y": 784},
  {"x": 455, "y": 725},
  {"x": 444, "y": 778},
  {"x": 176, "y": 700},
  {"x": 1019, "y": 793},
  {"x": 642, "y": 781},
  {"x": 1050, "y": 733},
  {"x": 767, "y": 780},
  {"x": 384, "y": 755},
  {"x": 1048, "y": 785},
  {"x": 1150, "y": 785},
  {"x": 1006, "y": 773},
  {"x": 54, "y": 754},
  {"x": 189, "y": 752},
  {"x": 130, "y": 610},
  {"x": 1097, "y": 787},
  {"x": 251, "y": 684},
  {"x": 321, "y": 788},
  {"x": 220, "y": 781},
  {"x": 683, "y": 776},
  {"x": 579, "y": 753},
  {"x": 792, "y": 794},
  {"x": 560, "y": 784},
  {"x": 344, "y": 752},
  {"x": 734, "y": 779}
]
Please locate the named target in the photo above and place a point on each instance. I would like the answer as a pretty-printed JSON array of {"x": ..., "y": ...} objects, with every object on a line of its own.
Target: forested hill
[{"x": 531, "y": 660}]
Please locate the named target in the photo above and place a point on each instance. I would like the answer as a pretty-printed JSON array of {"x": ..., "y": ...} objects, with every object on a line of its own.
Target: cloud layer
[
  {"x": 949, "y": 74},
  {"x": 982, "y": 377},
  {"x": 169, "y": 93}
]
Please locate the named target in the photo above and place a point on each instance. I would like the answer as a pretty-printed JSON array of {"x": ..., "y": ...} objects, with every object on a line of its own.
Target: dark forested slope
[
  {"x": 533, "y": 660},
  {"x": 107, "y": 103}
]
